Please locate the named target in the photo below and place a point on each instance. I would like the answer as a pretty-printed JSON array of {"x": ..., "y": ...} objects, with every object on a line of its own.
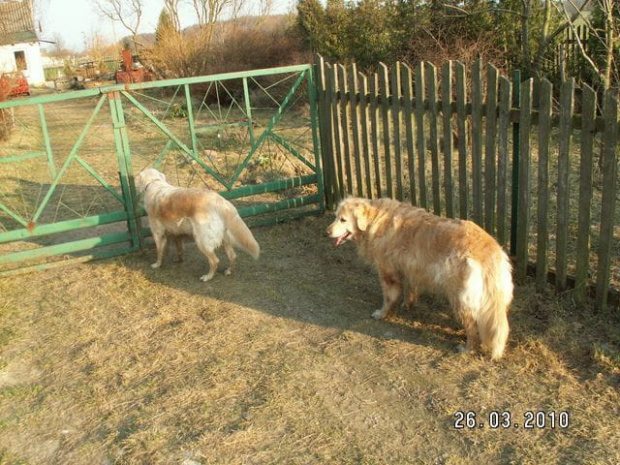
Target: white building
[{"x": 19, "y": 44}]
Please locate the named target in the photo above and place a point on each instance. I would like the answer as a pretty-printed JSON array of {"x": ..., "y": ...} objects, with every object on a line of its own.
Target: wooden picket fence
[
  {"x": 566, "y": 58},
  {"x": 538, "y": 173}
]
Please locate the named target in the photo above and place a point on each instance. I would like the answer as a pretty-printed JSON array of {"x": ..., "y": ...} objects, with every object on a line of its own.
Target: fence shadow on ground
[{"x": 301, "y": 276}]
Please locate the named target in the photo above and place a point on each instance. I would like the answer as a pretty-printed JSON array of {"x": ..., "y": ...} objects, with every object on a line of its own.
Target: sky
[{"x": 76, "y": 22}]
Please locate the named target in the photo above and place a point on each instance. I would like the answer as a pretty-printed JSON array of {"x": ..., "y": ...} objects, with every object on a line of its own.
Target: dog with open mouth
[
  {"x": 415, "y": 250},
  {"x": 203, "y": 214}
]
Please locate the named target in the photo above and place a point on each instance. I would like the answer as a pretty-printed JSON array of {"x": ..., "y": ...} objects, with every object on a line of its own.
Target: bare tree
[
  {"x": 265, "y": 7},
  {"x": 127, "y": 12},
  {"x": 608, "y": 37},
  {"x": 172, "y": 7},
  {"x": 209, "y": 12},
  {"x": 59, "y": 48}
]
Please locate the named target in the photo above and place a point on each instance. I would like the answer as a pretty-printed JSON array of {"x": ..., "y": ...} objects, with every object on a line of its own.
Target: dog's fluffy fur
[
  {"x": 202, "y": 214},
  {"x": 418, "y": 251}
]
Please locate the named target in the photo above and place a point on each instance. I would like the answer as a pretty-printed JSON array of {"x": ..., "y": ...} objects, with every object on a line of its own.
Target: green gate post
[{"x": 123, "y": 154}]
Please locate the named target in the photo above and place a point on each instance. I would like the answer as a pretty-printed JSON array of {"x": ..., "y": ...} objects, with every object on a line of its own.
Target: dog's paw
[
  {"x": 463, "y": 349},
  {"x": 155, "y": 265},
  {"x": 206, "y": 278},
  {"x": 228, "y": 272},
  {"x": 378, "y": 314}
]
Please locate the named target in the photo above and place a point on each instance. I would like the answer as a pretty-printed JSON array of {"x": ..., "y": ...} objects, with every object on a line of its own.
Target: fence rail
[{"x": 539, "y": 174}]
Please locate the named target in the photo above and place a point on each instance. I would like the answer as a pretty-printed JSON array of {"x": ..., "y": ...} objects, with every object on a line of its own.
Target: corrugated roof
[{"x": 16, "y": 22}]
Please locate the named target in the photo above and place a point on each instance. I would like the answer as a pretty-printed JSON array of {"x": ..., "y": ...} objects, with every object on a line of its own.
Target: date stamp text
[{"x": 495, "y": 420}]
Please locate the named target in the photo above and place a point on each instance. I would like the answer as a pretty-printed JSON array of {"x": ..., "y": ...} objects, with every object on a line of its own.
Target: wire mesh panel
[
  {"x": 59, "y": 175},
  {"x": 229, "y": 133}
]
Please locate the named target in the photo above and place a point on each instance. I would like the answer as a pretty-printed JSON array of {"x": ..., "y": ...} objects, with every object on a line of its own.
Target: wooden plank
[
  {"x": 384, "y": 86},
  {"x": 567, "y": 93},
  {"x": 374, "y": 134},
  {"x": 608, "y": 201},
  {"x": 516, "y": 99},
  {"x": 365, "y": 133},
  {"x": 505, "y": 99},
  {"x": 476, "y": 140},
  {"x": 407, "y": 82},
  {"x": 448, "y": 148},
  {"x": 524, "y": 196},
  {"x": 461, "y": 128},
  {"x": 356, "y": 124},
  {"x": 544, "y": 139},
  {"x": 333, "y": 89},
  {"x": 420, "y": 91},
  {"x": 396, "y": 126},
  {"x": 588, "y": 113},
  {"x": 344, "y": 126},
  {"x": 431, "y": 80},
  {"x": 489, "y": 152}
]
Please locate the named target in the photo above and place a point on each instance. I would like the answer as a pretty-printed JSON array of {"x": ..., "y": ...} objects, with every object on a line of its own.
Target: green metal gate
[{"x": 67, "y": 161}]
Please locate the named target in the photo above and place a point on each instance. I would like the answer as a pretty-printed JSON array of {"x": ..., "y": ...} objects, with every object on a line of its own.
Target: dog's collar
[{"x": 149, "y": 183}]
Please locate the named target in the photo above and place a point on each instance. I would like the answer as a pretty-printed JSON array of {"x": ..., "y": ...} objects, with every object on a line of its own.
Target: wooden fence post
[
  {"x": 396, "y": 126},
  {"x": 489, "y": 152},
  {"x": 476, "y": 141},
  {"x": 516, "y": 146},
  {"x": 356, "y": 124},
  {"x": 461, "y": 127},
  {"x": 431, "y": 73},
  {"x": 407, "y": 79},
  {"x": 420, "y": 92},
  {"x": 344, "y": 125},
  {"x": 567, "y": 93},
  {"x": 384, "y": 85},
  {"x": 545, "y": 114},
  {"x": 588, "y": 112},
  {"x": 505, "y": 101},
  {"x": 335, "y": 127},
  {"x": 523, "y": 225},
  {"x": 448, "y": 148},
  {"x": 364, "y": 109},
  {"x": 608, "y": 202},
  {"x": 325, "y": 131}
]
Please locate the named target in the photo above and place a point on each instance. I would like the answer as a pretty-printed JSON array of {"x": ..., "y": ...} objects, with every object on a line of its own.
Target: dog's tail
[
  {"x": 497, "y": 296},
  {"x": 240, "y": 235}
]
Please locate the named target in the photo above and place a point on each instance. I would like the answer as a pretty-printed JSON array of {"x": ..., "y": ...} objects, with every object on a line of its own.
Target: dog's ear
[
  {"x": 360, "y": 212},
  {"x": 139, "y": 182}
]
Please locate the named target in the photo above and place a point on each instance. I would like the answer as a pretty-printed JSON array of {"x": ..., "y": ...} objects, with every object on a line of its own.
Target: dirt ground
[{"x": 112, "y": 362}]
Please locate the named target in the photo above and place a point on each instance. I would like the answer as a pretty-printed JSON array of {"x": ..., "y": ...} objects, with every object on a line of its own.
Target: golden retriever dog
[
  {"x": 202, "y": 214},
  {"x": 415, "y": 250}
]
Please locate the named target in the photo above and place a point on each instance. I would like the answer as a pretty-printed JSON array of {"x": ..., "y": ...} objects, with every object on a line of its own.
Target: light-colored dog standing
[
  {"x": 202, "y": 214},
  {"x": 415, "y": 250}
]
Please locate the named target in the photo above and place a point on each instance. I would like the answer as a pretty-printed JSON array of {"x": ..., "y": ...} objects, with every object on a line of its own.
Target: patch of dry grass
[{"x": 113, "y": 362}]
